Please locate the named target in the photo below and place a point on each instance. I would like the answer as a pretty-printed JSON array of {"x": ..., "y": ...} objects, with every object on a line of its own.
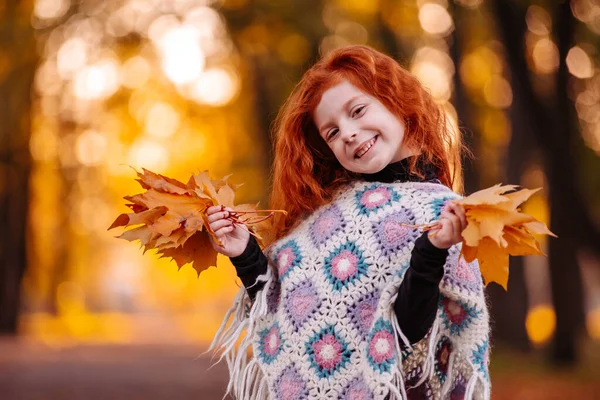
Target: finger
[
  {"x": 444, "y": 231},
  {"x": 217, "y": 216},
  {"x": 212, "y": 210},
  {"x": 459, "y": 210},
  {"x": 452, "y": 208},
  {"x": 433, "y": 228},
  {"x": 449, "y": 215},
  {"x": 230, "y": 210},
  {"x": 463, "y": 217},
  {"x": 220, "y": 224},
  {"x": 220, "y": 233},
  {"x": 454, "y": 228},
  {"x": 463, "y": 223}
]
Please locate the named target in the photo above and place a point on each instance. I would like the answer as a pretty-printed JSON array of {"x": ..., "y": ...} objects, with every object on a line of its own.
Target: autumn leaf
[
  {"x": 496, "y": 229},
  {"x": 493, "y": 262},
  {"x": 141, "y": 217},
  {"x": 170, "y": 216},
  {"x": 169, "y": 222},
  {"x": 150, "y": 180},
  {"x": 489, "y": 196},
  {"x": 197, "y": 250},
  {"x": 225, "y": 196}
]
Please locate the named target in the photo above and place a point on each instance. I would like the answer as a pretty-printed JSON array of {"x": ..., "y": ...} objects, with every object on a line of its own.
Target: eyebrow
[{"x": 329, "y": 123}]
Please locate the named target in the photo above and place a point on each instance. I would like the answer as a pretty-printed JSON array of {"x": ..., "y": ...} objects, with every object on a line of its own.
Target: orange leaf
[
  {"x": 180, "y": 204},
  {"x": 175, "y": 239},
  {"x": 166, "y": 224},
  {"x": 495, "y": 228},
  {"x": 225, "y": 196},
  {"x": 205, "y": 187},
  {"x": 469, "y": 253},
  {"x": 143, "y": 234},
  {"x": 196, "y": 250},
  {"x": 492, "y": 195},
  {"x": 538, "y": 227},
  {"x": 219, "y": 183},
  {"x": 518, "y": 197},
  {"x": 471, "y": 233},
  {"x": 493, "y": 262},
  {"x": 150, "y": 180},
  {"x": 521, "y": 243},
  {"x": 144, "y": 217},
  {"x": 195, "y": 222},
  {"x": 173, "y": 216}
]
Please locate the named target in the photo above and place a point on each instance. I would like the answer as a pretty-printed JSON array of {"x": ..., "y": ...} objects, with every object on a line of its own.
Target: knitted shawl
[{"x": 324, "y": 326}]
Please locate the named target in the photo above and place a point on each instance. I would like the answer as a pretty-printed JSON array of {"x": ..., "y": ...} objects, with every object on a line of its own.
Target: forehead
[{"x": 334, "y": 99}]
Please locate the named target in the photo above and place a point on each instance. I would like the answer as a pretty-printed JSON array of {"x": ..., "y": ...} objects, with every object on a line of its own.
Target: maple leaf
[
  {"x": 197, "y": 250},
  {"x": 493, "y": 261},
  {"x": 140, "y": 217},
  {"x": 150, "y": 180},
  {"x": 172, "y": 216},
  {"x": 496, "y": 229}
]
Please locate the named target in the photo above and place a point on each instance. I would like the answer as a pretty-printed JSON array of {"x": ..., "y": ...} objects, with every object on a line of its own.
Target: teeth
[{"x": 365, "y": 148}]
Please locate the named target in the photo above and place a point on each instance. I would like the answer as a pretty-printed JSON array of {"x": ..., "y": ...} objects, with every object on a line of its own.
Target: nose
[{"x": 349, "y": 133}]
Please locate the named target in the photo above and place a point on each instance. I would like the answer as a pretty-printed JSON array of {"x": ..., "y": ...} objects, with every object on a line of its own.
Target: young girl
[{"x": 351, "y": 300}]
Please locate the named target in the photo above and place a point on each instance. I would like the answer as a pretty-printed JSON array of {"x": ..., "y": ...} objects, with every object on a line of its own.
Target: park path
[
  {"x": 108, "y": 372},
  {"x": 33, "y": 371}
]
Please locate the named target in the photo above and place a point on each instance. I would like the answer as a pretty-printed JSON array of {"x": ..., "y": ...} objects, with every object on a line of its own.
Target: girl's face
[{"x": 362, "y": 133}]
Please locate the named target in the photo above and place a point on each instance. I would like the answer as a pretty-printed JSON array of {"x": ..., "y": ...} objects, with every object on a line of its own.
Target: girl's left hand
[{"x": 451, "y": 224}]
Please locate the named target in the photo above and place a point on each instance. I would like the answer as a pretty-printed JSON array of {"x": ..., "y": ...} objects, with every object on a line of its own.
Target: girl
[{"x": 349, "y": 300}]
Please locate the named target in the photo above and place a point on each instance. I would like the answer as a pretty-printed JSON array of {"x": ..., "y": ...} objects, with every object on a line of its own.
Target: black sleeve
[
  {"x": 418, "y": 296},
  {"x": 250, "y": 265}
]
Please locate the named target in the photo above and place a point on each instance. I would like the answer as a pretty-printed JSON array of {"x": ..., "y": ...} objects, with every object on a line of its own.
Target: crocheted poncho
[{"x": 324, "y": 326}]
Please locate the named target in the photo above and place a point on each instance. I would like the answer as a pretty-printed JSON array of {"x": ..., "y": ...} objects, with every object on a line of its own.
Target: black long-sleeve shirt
[{"x": 418, "y": 295}]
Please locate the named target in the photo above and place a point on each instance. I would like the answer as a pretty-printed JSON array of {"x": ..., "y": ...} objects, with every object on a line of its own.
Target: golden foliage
[
  {"x": 172, "y": 216},
  {"x": 496, "y": 229}
]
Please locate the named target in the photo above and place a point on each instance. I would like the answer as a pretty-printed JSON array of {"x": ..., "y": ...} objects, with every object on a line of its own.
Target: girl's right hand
[{"x": 234, "y": 238}]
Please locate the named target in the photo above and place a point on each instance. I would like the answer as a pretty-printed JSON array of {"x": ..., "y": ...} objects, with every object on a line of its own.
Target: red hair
[{"x": 306, "y": 173}]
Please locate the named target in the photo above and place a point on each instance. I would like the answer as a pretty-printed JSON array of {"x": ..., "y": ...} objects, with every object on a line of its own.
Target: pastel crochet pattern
[{"x": 324, "y": 327}]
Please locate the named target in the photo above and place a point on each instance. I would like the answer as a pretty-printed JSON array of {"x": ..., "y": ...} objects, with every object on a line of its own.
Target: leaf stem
[
  {"x": 425, "y": 227},
  {"x": 260, "y": 211}
]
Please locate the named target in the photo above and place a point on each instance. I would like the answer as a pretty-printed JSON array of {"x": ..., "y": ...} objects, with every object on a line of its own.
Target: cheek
[
  {"x": 338, "y": 150},
  {"x": 395, "y": 132}
]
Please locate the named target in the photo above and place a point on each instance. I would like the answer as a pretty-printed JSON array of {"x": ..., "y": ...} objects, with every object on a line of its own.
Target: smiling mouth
[{"x": 364, "y": 149}]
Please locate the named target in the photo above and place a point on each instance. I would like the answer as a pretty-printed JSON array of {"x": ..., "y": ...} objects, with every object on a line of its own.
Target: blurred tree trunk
[
  {"x": 464, "y": 107},
  {"x": 508, "y": 309},
  {"x": 552, "y": 129},
  {"x": 272, "y": 79},
  {"x": 564, "y": 269},
  {"x": 16, "y": 77},
  {"x": 389, "y": 37}
]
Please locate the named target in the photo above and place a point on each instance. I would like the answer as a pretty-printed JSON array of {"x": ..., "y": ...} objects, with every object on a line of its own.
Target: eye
[
  {"x": 331, "y": 134},
  {"x": 358, "y": 111}
]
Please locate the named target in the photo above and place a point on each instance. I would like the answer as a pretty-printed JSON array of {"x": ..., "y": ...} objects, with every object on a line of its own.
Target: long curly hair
[{"x": 306, "y": 174}]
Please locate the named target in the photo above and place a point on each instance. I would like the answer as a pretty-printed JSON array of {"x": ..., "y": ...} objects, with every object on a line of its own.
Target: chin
[{"x": 371, "y": 168}]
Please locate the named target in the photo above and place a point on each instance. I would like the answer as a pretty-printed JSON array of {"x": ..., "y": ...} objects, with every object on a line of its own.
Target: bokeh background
[{"x": 90, "y": 88}]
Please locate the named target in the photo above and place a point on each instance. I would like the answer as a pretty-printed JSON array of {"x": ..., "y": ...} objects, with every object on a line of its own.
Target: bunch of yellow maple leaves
[
  {"x": 496, "y": 229},
  {"x": 172, "y": 219},
  {"x": 172, "y": 216}
]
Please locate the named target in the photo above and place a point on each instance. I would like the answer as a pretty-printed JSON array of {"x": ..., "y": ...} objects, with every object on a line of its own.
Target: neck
[
  {"x": 404, "y": 153},
  {"x": 399, "y": 172}
]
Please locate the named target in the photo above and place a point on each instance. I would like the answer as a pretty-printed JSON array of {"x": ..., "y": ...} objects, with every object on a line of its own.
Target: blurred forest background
[{"x": 91, "y": 87}]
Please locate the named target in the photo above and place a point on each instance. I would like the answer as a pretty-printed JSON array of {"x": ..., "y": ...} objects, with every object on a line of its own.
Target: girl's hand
[
  {"x": 451, "y": 224},
  {"x": 233, "y": 237}
]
